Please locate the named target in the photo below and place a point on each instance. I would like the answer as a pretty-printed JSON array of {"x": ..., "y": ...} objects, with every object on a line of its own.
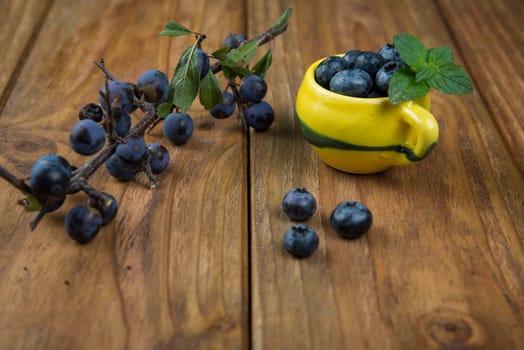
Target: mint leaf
[
  {"x": 174, "y": 28},
  {"x": 262, "y": 66},
  {"x": 425, "y": 73},
  {"x": 440, "y": 56},
  {"x": 186, "y": 79},
  {"x": 210, "y": 93},
  {"x": 411, "y": 50},
  {"x": 451, "y": 79},
  {"x": 164, "y": 109},
  {"x": 282, "y": 21},
  {"x": 404, "y": 87}
]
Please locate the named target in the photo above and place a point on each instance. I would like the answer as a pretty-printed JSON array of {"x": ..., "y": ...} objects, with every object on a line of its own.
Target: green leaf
[
  {"x": 186, "y": 79},
  {"x": 404, "y": 87},
  {"x": 210, "y": 92},
  {"x": 425, "y": 73},
  {"x": 440, "y": 56},
  {"x": 221, "y": 53},
  {"x": 164, "y": 109},
  {"x": 411, "y": 50},
  {"x": 452, "y": 79},
  {"x": 282, "y": 21},
  {"x": 244, "y": 54},
  {"x": 231, "y": 71},
  {"x": 174, "y": 28},
  {"x": 262, "y": 66}
]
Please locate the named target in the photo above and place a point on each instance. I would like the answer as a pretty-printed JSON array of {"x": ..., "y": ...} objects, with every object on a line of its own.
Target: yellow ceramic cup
[{"x": 363, "y": 135}]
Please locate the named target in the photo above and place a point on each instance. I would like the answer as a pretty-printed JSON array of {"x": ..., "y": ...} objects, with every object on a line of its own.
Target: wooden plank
[
  {"x": 170, "y": 271},
  {"x": 18, "y": 31},
  {"x": 442, "y": 264}
]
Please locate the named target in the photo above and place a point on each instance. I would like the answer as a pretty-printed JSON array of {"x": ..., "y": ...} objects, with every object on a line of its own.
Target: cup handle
[{"x": 424, "y": 126}]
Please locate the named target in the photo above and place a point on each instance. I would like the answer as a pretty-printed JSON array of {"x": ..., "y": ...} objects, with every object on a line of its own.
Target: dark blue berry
[
  {"x": 259, "y": 116},
  {"x": 350, "y": 58},
  {"x": 253, "y": 88},
  {"x": 119, "y": 169},
  {"x": 389, "y": 52},
  {"x": 105, "y": 204},
  {"x": 153, "y": 85},
  {"x": 121, "y": 95},
  {"x": 328, "y": 68},
  {"x": 178, "y": 128},
  {"x": 353, "y": 82},
  {"x": 158, "y": 158},
  {"x": 300, "y": 241},
  {"x": 82, "y": 224},
  {"x": 370, "y": 62},
  {"x": 122, "y": 121},
  {"x": 384, "y": 75},
  {"x": 134, "y": 152},
  {"x": 234, "y": 40},
  {"x": 351, "y": 219},
  {"x": 87, "y": 137},
  {"x": 50, "y": 177},
  {"x": 225, "y": 109},
  {"x": 91, "y": 111},
  {"x": 299, "y": 204}
]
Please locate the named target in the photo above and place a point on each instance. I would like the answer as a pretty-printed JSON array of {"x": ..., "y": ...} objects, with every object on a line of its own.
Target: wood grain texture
[
  {"x": 442, "y": 265},
  {"x": 17, "y": 37},
  {"x": 170, "y": 271}
]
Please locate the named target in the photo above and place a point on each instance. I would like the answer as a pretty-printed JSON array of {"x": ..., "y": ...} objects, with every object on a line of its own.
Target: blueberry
[
  {"x": 119, "y": 169},
  {"x": 300, "y": 241},
  {"x": 121, "y": 95},
  {"x": 299, "y": 204},
  {"x": 202, "y": 62},
  {"x": 370, "y": 62},
  {"x": 122, "y": 122},
  {"x": 259, "y": 116},
  {"x": 253, "y": 88},
  {"x": 234, "y": 40},
  {"x": 134, "y": 152},
  {"x": 353, "y": 82},
  {"x": 153, "y": 85},
  {"x": 91, "y": 111},
  {"x": 50, "y": 177},
  {"x": 225, "y": 109},
  {"x": 389, "y": 52},
  {"x": 384, "y": 75},
  {"x": 82, "y": 224},
  {"x": 87, "y": 137},
  {"x": 327, "y": 69},
  {"x": 350, "y": 58},
  {"x": 178, "y": 128},
  {"x": 351, "y": 219},
  {"x": 106, "y": 205},
  {"x": 158, "y": 158}
]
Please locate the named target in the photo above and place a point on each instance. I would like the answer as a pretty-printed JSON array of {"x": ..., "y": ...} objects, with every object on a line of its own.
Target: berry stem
[{"x": 13, "y": 180}]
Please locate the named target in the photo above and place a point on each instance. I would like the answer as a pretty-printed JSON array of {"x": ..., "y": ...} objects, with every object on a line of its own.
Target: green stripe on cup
[{"x": 323, "y": 141}]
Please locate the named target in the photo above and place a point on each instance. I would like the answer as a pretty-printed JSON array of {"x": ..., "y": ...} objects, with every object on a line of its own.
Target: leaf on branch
[
  {"x": 282, "y": 21},
  {"x": 411, "y": 50},
  {"x": 262, "y": 66},
  {"x": 174, "y": 28},
  {"x": 186, "y": 79},
  {"x": 244, "y": 54},
  {"x": 210, "y": 93},
  {"x": 164, "y": 109}
]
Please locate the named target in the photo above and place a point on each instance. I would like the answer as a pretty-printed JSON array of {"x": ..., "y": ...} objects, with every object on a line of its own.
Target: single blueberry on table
[
  {"x": 352, "y": 82},
  {"x": 351, "y": 219},
  {"x": 178, "y": 128},
  {"x": 299, "y": 204},
  {"x": 253, "y": 88},
  {"x": 370, "y": 62},
  {"x": 300, "y": 241},
  {"x": 327, "y": 69},
  {"x": 82, "y": 224},
  {"x": 259, "y": 116},
  {"x": 87, "y": 137}
]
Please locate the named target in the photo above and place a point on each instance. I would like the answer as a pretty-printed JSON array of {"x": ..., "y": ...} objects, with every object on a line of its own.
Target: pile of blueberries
[
  {"x": 350, "y": 220},
  {"x": 360, "y": 73}
]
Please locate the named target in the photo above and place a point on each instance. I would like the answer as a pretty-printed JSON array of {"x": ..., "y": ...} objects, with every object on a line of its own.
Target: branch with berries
[{"x": 106, "y": 133}]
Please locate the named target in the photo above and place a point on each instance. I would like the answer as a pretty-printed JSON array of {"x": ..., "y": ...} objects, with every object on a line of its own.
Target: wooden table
[{"x": 197, "y": 263}]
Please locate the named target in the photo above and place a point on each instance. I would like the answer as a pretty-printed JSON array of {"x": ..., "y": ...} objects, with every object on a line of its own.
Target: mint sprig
[{"x": 426, "y": 68}]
